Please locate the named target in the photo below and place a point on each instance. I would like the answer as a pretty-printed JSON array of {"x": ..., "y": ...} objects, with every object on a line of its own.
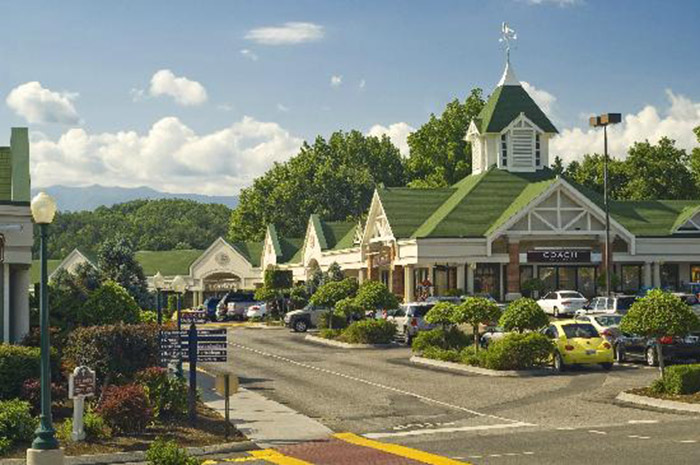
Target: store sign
[
  {"x": 81, "y": 383},
  {"x": 559, "y": 256}
]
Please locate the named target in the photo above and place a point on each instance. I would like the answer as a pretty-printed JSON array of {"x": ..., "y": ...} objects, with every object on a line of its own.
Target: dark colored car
[
  {"x": 210, "y": 304},
  {"x": 633, "y": 347}
]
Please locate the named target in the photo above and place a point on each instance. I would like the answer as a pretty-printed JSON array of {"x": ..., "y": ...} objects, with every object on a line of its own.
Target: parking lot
[{"x": 379, "y": 394}]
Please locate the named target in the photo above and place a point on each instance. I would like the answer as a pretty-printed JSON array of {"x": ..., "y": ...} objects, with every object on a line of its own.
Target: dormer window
[
  {"x": 538, "y": 152},
  {"x": 504, "y": 150}
]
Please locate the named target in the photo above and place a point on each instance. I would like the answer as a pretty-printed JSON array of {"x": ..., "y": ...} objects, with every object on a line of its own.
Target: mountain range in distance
[{"x": 90, "y": 197}]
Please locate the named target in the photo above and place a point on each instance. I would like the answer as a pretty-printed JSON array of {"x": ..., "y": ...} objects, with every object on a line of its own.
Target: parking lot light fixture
[
  {"x": 159, "y": 284},
  {"x": 604, "y": 121},
  {"x": 179, "y": 285},
  {"x": 43, "y": 208}
]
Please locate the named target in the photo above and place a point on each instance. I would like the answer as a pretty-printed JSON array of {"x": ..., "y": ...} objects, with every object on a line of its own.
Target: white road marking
[
  {"x": 475, "y": 456},
  {"x": 688, "y": 441},
  {"x": 528, "y": 453},
  {"x": 444, "y": 430},
  {"x": 510, "y": 454},
  {"x": 642, "y": 422},
  {"x": 566, "y": 428},
  {"x": 495, "y": 455},
  {"x": 595, "y": 431},
  {"x": 377, "y": 385}
]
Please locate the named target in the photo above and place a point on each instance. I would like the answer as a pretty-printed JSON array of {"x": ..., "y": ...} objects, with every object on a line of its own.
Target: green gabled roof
[
  {"x": 489, "y": 200},
  {"x": 5, "y": 173},
  {"x": 407, "y": 209},
  {"x": 505, "y": 104},
  {"x": 168, "y": 262},
  {"x": 348, "y": 240},
  {"x": 291, "y": 250},
  {"x": 335, "y": 231},
  {"x": 275, "y": 239},
  {"x": 320, "y": 233},
  {"x": 251, "y": 251},
  {"x": 652, "y": 217}
]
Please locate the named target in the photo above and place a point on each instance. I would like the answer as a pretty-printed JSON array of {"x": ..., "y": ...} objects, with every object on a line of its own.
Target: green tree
[
  {"x": 334, "y": 273},
  {"x": 558, "y": 165},
  {"x": 333, "y": 178},
  {"x": 109, "y": 304},
  {"x": 117, "y": 262},
  {"x": 476, "y": 311},
  {"x": 373, "y": 295},
  {"x": 332, "y": 292},
  {"x": 695, "y": 160},
  {"x": 298, "y": 297},
  {"x": 439, "y": 154},
  {"x": 589, "y": 173},
  {"x": 659, "y": 314},
  {"x": 523, "y": 314},
  {"x": 441, "y": 314},
  {"x": 347, "y": 307}
]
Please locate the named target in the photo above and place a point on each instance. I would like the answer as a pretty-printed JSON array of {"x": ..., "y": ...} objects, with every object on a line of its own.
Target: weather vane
[{"x": 507, "y": 35}]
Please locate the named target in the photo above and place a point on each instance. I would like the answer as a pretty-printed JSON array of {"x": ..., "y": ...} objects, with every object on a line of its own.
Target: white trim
[
  {"x": 219, "y": 240},
  {"x": 68, "y": 259},
  {"x": 376, "y": 211}
]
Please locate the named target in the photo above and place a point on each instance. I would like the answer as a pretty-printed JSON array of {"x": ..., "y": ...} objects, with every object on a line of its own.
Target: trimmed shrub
[
  {"x": 441, "y": 314},
  {"x": 476, "y": 311},
  {"x": 16, "y": 424},
  {"x": 19, "y": 363},
  {"x": 370, "y": 332},
  {"x": 373, "y": 295},
  {"x": 445, "y": 355},
  {"x": 163, "y": 452},
  {"x": 680, "y": 379},
  {"x": 470, "y": 356},
  {"x": 330, "y": 333},
  {"x": 523, "y": 314},
  {"x": 167, "y": 394},
  {"x": 331, "y": 320},
  {"x": 518, "y": 352},
  {"x": 347, "y": 308},
  {"x": 126, "y": 409},
  {"x": 332, "y": 292},
  {"x": 148, "y": 316},
  {"x": 115, "y": 352},
  {"x": 31, "y": 392},
  {"x": 96, "y": 428},
  {"x": 450, "y": 338},
  {"x": 109, "y": 304}
]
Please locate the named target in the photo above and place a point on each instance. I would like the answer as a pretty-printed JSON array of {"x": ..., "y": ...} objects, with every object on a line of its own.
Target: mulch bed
[{"x": 687, "y": 398}]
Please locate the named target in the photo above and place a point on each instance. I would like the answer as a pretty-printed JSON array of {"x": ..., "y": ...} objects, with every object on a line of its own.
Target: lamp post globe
[
  {"x": 179, "y": 284},
  {"x": 159, "y": 284},
  {"x": 43, "y": 208},
  {"x": 158, "y": 281}
]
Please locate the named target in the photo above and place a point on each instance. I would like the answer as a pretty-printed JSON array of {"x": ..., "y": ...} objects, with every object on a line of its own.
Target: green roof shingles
[
  {"x": 168, "y": 262},
  {"x": 652, "y": 217},
  {"x": 5, "y": 173},
  {"x": 291, "y": 250},
  {"x": 348, "y": 240},
  {"x": 335, "y": 231},
  {"x": 505, "y": 104},
  {"x": 251, "y": 251},
  {"x": 407, "y": 209}
]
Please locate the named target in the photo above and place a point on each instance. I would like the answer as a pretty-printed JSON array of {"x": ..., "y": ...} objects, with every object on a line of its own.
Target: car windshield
[
  {"x": 585, "y": 331},
  {"x": 624, "y": 303},
  {"x": 420, "y": 310},
  {"x": 608, "y": 320},
  {"x": 690, "y": 299},
  {"x": 570, "y": 295}
]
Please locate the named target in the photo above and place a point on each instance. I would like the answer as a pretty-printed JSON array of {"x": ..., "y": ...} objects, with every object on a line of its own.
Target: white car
[
  {"x": 256, "y": 311},
  {"x": 562, "y": 302},
  {"x": 607, "y": 324},
  {"x": 410, "y": 319}
]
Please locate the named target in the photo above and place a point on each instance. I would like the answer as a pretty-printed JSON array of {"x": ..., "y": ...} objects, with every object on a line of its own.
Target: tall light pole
[
  {"x": 45, "y": 448},
  {"x": 180, "y": 287},
  {"x": 605, "y": 120},
  {"x": 159, "y": 284}
]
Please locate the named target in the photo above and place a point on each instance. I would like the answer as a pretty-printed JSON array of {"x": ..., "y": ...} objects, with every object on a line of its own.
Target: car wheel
[
  {"x": 300, "y": 326},
  {"x": 556, "y": 312},
  {"x": 607, "y": 366},
  {"x": 619, "y": 354},
  {"x": 559, "y": 363},
  {"x": 651, "y": 357}
]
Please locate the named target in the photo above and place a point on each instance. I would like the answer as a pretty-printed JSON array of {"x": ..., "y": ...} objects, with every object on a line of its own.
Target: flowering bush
[{"x": 126, "y": 409}]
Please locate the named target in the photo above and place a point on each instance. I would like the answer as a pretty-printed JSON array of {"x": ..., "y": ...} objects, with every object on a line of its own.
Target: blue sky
[{"x": 251, "y": 94}]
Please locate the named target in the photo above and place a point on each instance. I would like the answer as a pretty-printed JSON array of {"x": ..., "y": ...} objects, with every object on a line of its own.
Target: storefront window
[
  {"x": 586, "y": 280},
  {"x": 567, "y": 278},
  {"x": 384, "y": 277},
  {"x": 445, "y": 279},
  {"x": 669, "y": 276},
  {"x": 487, "y": 279},
  {"x": 631, "y": 278},
  {"x": 527, "y": 272},
  {"x": 695, "y": 273},
  {"x": 548, "y": 274}
]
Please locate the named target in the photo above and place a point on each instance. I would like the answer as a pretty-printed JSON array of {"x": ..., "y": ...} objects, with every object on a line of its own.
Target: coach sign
[{"x": 559, "y": 256}]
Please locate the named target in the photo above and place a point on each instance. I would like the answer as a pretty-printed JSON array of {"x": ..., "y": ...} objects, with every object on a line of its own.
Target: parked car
[
  {"x": 308, "y": 317},
  {"x": 562, "y": 302},
  {"x": 490, "y": 334},
  {"x": 607, "y": 324},
  {"x": 233, "y": 305},
  {"x": 634, "y": 347},
  {"x": 210, "y": 304},
  {"x": 618, "y": 304},
  {"x": 410, "y": 319},
  {"x": 578, "y": 343},
  {"x": 691, "y": 300},
  {"x": 257, "y": 311}
]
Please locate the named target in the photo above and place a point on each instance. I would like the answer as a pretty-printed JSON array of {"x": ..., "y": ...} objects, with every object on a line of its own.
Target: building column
[
  {"x": 470, "y": 278},
  {"x": 409, "y": 285},
  {"x": 647, "y": 274},
  {"x": 20, "y": 302},
  {"x": 361, "y": 275},
  {"x": 461, "y": 284},
  {"x": 513, "y": 271},
  {"x": 431, "y": 278},
  {"x": 396, "y": 278},
  {"x": 6, "y": 302},
  {"x": 657, "y": 275}
]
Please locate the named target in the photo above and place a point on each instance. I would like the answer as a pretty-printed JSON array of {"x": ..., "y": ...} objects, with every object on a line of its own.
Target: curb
[
  {"x": 140, "y": 456},
  {"x": 462, "y": 369},
  {"x": 664, "y": 404},
  {"x": 345, "y": 345},
  {"x": 261, "y": 326}
]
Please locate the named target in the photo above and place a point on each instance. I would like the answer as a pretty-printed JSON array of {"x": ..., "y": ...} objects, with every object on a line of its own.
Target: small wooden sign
[{"x": 81, "y": 383}]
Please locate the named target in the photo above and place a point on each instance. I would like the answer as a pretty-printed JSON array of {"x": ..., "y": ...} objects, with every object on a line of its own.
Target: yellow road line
[
  {"x": 273, "y": 456},
  {"x": 402, "y": 451}
]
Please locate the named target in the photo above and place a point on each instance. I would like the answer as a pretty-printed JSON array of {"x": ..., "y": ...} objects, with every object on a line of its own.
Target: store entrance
[{"x": 569, "y": 277}]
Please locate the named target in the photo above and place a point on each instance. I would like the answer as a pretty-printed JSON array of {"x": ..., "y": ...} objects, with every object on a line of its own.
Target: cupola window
[
  {"x": 538, "y": 153},
  {"x": 504, "y": 150}
]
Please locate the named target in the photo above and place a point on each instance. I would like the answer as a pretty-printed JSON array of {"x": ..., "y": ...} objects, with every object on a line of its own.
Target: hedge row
[{"x": 679, "y": 380}]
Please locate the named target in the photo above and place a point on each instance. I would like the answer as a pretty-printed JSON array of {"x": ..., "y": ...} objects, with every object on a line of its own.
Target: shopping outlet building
[{"x": 509, "y": 221}]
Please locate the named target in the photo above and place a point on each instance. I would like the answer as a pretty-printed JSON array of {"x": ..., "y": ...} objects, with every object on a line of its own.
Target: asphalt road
[{"x": 570, "y": 418}]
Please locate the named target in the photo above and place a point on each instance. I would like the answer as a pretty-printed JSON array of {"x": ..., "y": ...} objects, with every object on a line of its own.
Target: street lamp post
[
  {"x": 179, "y": 285},
  {"x": 45, "y": 448},
  {"x": 159, "y": 284},
  {"x": 605, "y": 120}
]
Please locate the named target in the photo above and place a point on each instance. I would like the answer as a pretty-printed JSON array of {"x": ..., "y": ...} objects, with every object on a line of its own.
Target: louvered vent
[{"x": 522, "y": 148}]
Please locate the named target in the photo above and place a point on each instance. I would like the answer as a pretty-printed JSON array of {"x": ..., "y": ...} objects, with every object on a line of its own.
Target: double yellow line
[{"x": 272, "y": 456}]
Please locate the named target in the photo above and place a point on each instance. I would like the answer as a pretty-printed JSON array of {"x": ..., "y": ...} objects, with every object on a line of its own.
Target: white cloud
[
  {"x": 183, "y": 90},
  {"x": 171, "y": 156},
  {"x": 676, "y": 122},
  {"x": 397, "y": 132},
  {"x": 38, "y": 104},
  {"x": 336, "y": 81},
  {"x": 224, "y": 107},
  {"x": 288, "y": 33},
  {"x": 362, "y": 84},
  {"x": 252, "y": 56},
  {"x": 282, "y": 108},
  {"x": 542, "y": 98}
]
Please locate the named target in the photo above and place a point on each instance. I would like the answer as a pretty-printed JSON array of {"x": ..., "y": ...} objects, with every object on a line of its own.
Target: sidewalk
[{"x": 265, "y": 422}]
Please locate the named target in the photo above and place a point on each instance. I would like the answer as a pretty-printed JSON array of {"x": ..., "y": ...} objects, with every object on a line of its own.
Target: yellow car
[{"x": 578, "y": 343}]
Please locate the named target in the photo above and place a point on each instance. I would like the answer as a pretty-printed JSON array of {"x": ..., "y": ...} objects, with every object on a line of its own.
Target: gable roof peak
[{"x": 508, "y": 78}]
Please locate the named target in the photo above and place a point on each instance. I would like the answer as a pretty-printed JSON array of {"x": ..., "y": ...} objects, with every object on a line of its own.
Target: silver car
[{"x": 410, "y": 319}]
